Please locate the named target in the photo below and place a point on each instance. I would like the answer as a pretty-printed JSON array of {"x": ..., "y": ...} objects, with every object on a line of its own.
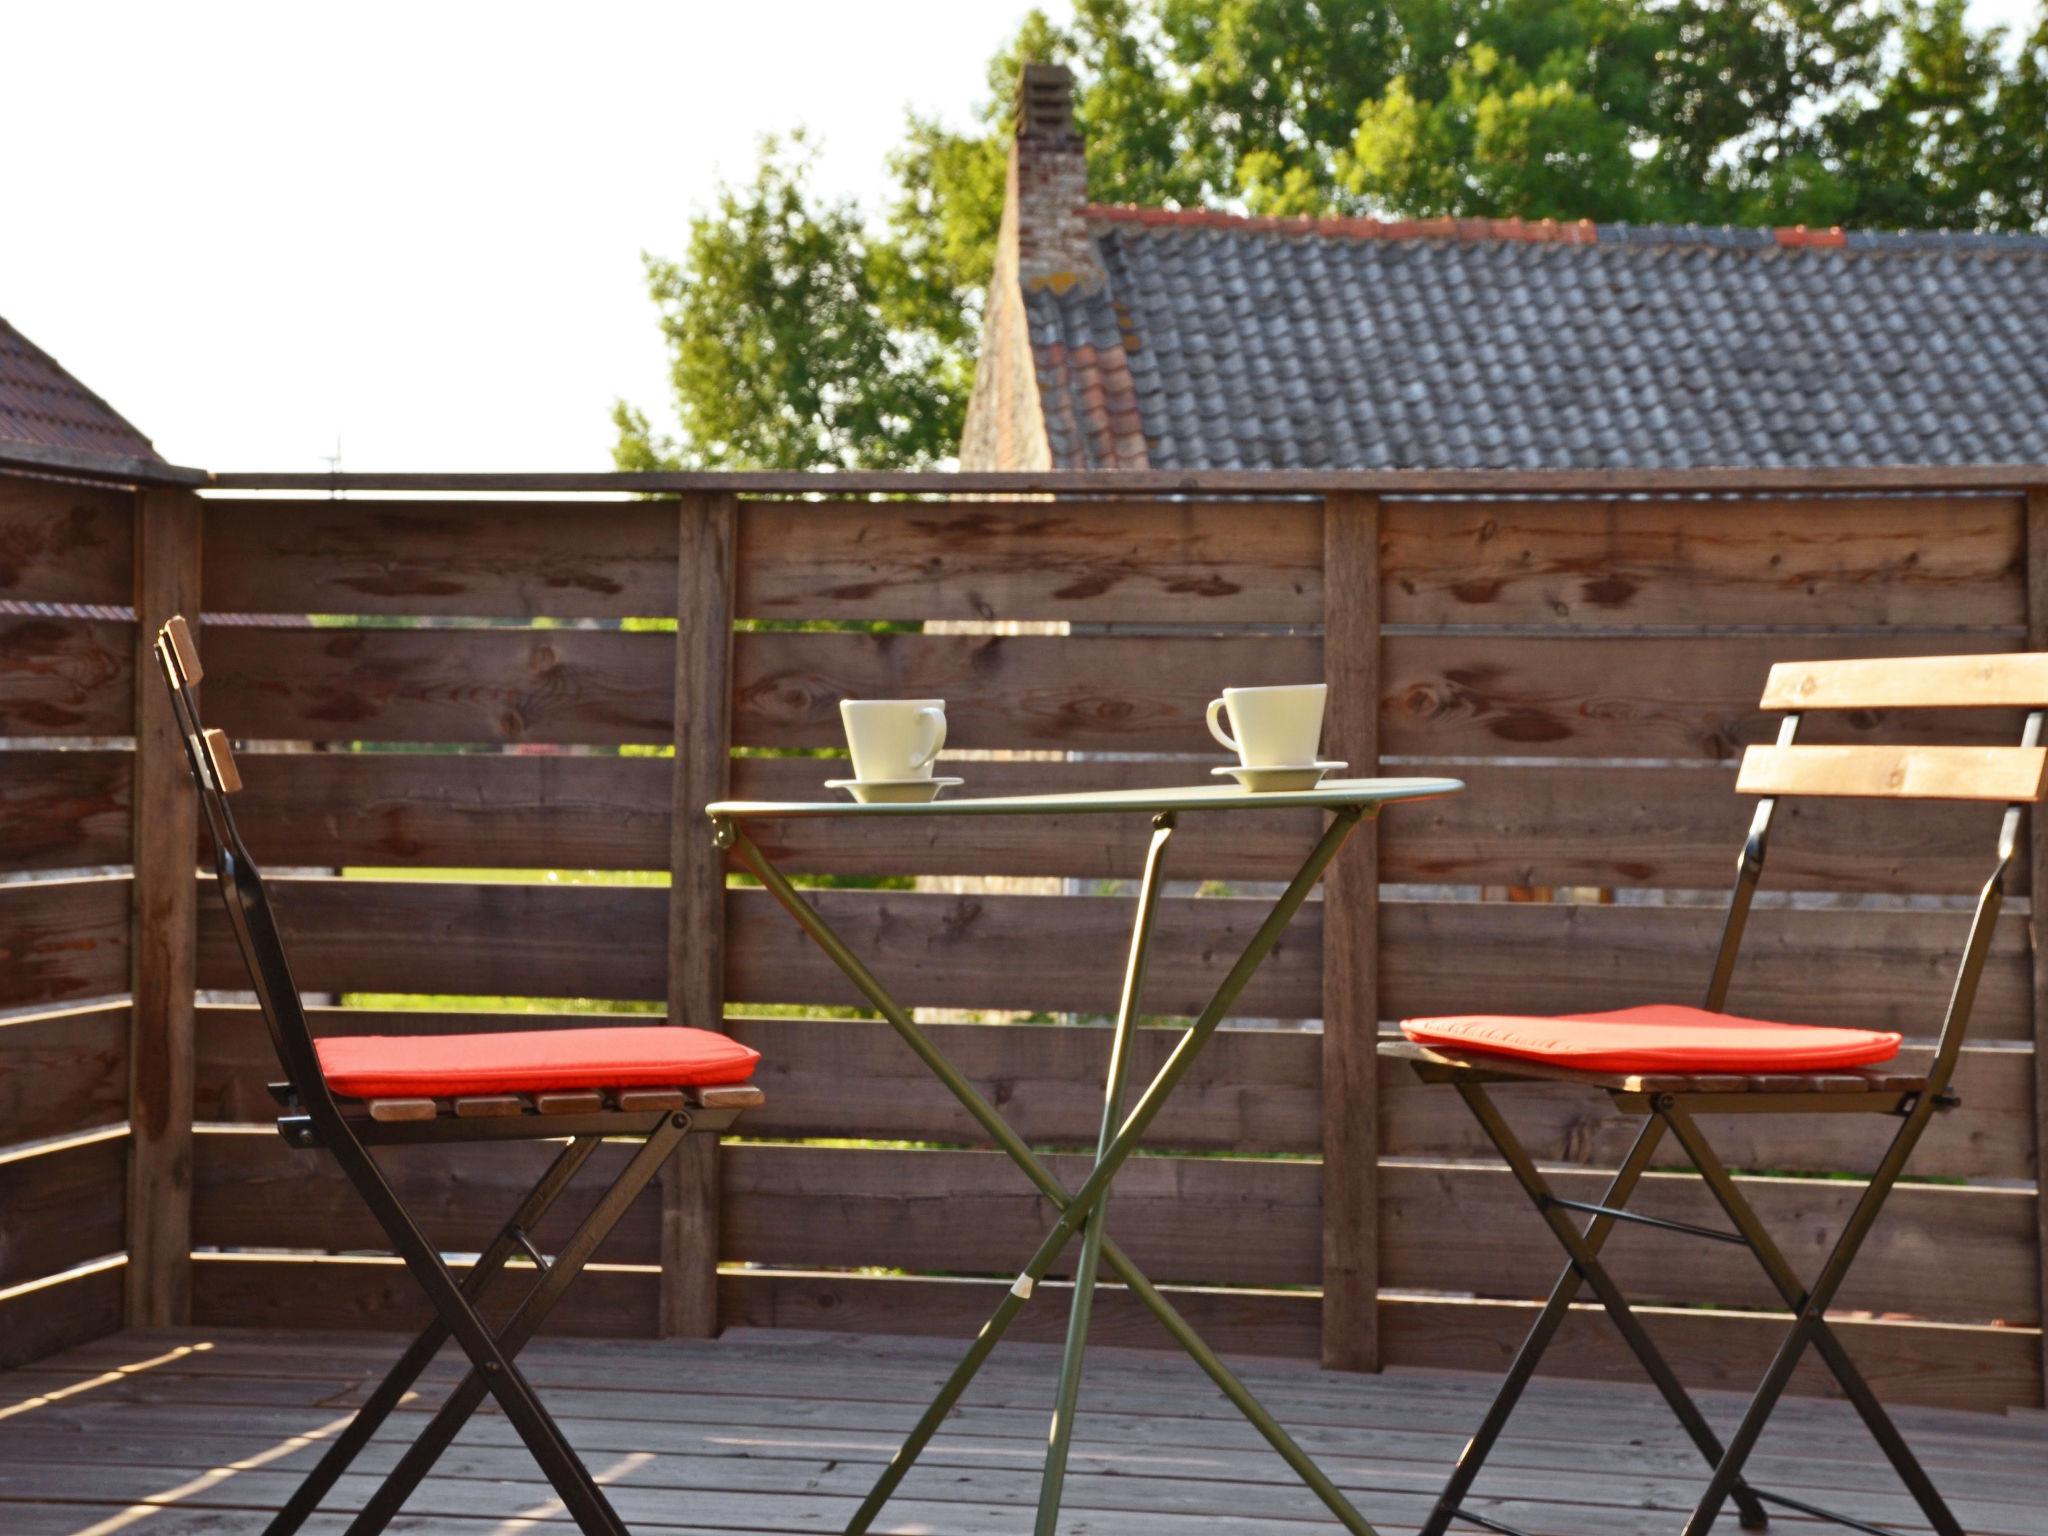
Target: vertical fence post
[
  {"x": 1351, "y": 900},
  {"x": 2037, "y": 640},
  {"x": 696, "y": 906},
  {"x": 163, "y": 933}
]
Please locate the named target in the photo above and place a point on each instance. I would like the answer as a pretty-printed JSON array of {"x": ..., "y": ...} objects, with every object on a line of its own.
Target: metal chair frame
[
  {"x": 1669, "y": 1103},
  {"x": 314, "y": 1118}
]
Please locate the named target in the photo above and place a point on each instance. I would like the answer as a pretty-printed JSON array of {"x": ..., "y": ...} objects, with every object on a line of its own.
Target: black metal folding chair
[
  {"x": 350, "y": 1094},
  {"x": 1671, "y": 1064}
]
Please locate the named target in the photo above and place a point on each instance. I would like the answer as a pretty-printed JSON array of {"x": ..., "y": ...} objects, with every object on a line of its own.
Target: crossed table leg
[{"x": 1082, "y": 1209}]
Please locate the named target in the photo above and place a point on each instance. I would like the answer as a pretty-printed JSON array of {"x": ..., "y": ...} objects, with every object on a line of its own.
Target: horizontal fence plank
[
  {"x": 66, "y": 677},
  {"x": 1561, "y": 824},
  {"x": 1922, "y": 560},
  {"x": 66, "y": 810},
  {"x": 1620, "y": 695},
  {"x": 456, "y": 810},
  {"x": 1460, "y": 694},
  {"x": 1286, "y": 1324},
  {"x": 1119, "y": 561},
  {"x": 1269, "y": 846},
  {"x": 1938, "y": 1252},
  {"x": 1248, "y": 1090},
  {"x": 517, "y": 559},
  {"x": 62, "y": 542},
  {"x": 61, "y": 1206},
  {"x": 63, "y": 939},
  {"x": 1949, "y": 1366},
  {"x": 846, "y": 1208},
  {"x": 1445, "y": 695},
  {"x": 458, "y": 685},
  {"x": 1072, "y": 693},
  {"x": 1991, "y": 1136},
  {"x": 250, "y": 1190},
  {"x": 247, "y": 1291},
  {"x": 1674, "y": 828},
  {"x": 63, "y": 1071},
  {"x": 456, "y": 937},
  {"x": 1882, "y": 969},
  {"x": 1691, "y": 481},
  {"x": 530, "y": 811},
  {"x": 48, "y": 1318},
  {"x": 1050, "y": 953},
  {"x": 1446, "y": 1228}
]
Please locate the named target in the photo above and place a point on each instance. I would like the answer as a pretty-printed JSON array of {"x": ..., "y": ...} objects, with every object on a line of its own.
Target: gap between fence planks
[
  {"x": 1350, "y": 979},
  {"x": 706, "y": 541},
  {"x": 165, "y": 939},
  {"x": 2037, "y": 640}
]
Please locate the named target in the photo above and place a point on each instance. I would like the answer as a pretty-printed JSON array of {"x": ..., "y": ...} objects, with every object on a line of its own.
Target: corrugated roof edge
[{"x": 1584, "y": 232}]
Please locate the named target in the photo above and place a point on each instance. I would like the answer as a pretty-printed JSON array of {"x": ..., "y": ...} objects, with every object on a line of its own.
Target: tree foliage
[{"x": 806, "y": 335}]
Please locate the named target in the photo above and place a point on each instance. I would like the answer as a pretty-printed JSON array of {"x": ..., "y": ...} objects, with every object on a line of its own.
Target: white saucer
[
  {"x": 893, "y": 791},
  {"x": 1280, "y": 776}
]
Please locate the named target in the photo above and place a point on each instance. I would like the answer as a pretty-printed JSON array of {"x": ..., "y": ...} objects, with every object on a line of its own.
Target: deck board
[{"x": 182, "y": 1433}]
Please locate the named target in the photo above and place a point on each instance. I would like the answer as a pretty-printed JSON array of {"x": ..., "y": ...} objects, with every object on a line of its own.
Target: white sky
[
  {"x": 417, "y": 228},
  {"x": 255, "y": 228}
]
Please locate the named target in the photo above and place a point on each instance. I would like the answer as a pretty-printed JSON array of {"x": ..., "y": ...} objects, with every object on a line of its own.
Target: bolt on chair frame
[
  {"x": 314, "y": 1117},
  {"x": 1670, "y": 1101},
  {"x": 1082, "y": 1211}
]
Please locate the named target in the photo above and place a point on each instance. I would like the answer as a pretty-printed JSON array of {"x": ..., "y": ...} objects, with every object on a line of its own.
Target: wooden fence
[{"x": 1584, "y": 650}]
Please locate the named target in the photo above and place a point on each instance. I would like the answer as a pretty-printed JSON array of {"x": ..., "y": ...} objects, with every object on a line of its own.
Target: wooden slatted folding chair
[
  {"x": 350, "y": 1094},
  {"x": 1670, "y": 1064}
]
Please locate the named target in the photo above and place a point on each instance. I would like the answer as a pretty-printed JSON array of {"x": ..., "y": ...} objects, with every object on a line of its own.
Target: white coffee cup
[
  {"x": 893, "y": 738},
  {"x": 1277, "y": 727}
]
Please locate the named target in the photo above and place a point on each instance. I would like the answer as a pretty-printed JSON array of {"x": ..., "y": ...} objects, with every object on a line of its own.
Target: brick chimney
[
  {"x": 1043, "y": 244},
  {"x": 1049, "y": 183}
]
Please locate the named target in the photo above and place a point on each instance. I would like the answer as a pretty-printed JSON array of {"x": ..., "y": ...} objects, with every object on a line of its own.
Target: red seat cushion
[
  {"x": 1662, "y": 1037},
  {"x": 532, "y": 1061}
]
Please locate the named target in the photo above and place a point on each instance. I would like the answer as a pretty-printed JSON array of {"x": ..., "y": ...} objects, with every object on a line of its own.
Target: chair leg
[
  {"x": 341, "y": 1454},
  {"x": 555, "y": 1280},
  {"x": 1810, "y": 1308},
  {"x": 1523, "y": 1368},
  {"x": 1585, "y": 1260}
]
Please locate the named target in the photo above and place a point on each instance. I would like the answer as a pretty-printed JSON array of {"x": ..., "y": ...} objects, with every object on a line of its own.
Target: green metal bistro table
[{"x": 1083, "y": 1210}]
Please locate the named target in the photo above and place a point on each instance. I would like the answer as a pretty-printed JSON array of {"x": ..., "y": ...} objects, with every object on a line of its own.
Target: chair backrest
[
  {"x": 2012, "y": 775},
  {"x": 250, "y": 917}
]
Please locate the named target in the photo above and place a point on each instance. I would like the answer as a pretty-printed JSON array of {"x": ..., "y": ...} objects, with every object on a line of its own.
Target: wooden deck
[{"x": 195, "y": 1432}]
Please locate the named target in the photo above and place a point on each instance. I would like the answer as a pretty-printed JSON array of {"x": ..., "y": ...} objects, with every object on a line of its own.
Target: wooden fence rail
[{"x": 478, "y": 731}]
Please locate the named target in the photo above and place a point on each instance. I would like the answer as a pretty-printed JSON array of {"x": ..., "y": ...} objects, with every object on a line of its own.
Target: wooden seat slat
[
  {"x": 389, "y": 1110},
  {"x": 640, "y": 1101},
  {"x": 573, "y": 1101},
  {"x": 479, "y": 1106},
  {"x": 729, "y": 1096}
]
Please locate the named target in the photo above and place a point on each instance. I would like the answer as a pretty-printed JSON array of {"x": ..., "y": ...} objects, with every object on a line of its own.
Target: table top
[{"x": 1330, "y": 795}]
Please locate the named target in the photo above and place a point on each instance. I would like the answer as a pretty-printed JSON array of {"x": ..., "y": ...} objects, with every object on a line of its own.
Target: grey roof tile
[{"x": 1657, "y": 345}]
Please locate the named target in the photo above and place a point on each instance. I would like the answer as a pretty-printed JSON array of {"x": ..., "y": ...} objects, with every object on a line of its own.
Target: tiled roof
[
  {"x": 1224, "y": 342},
  {"x": 42, "y": 404}
]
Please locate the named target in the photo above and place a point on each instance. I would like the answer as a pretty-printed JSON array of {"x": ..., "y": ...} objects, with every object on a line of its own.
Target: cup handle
[
  {"x": 936, "y": 719},
  {"x": 1215, "y": 709}
]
